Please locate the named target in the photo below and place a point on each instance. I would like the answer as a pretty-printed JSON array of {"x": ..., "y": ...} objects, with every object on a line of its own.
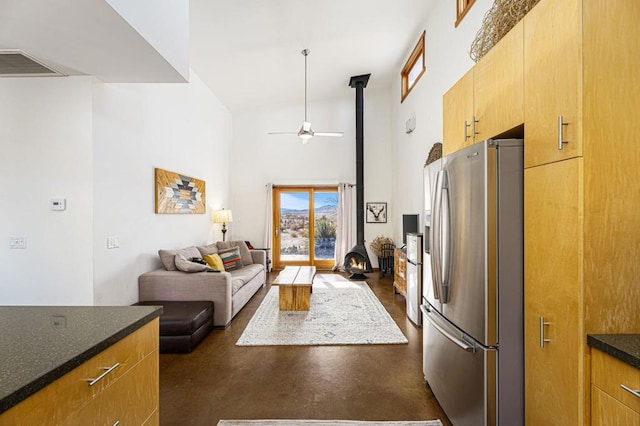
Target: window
[
  {"x": 305, "y": 224},
  {"x": 462, "y": 7},
  {"x": 413, "y": 69}
]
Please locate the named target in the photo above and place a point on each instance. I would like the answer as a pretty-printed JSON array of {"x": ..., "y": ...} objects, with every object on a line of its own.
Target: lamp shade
[{"x": 222, "y": 216}]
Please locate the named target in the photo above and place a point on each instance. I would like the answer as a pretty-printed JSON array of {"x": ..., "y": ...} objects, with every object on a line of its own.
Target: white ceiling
[
  {"x": 248, "y": 51},
  {"x": 83, "y": 37}
]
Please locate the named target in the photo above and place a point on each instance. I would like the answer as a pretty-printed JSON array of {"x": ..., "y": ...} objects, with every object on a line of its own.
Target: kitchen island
[{"x": 69, "y": 364}]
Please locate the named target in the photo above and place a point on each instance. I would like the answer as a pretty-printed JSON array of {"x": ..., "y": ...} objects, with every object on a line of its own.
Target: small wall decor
[
  {"x": 176, "y": 193},
  {"x": 376, "y": 212}
]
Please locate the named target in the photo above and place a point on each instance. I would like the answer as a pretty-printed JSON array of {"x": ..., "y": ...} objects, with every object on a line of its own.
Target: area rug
[
  {"x": 323, "y": 423},
  {"x": 342, "y": 312}
]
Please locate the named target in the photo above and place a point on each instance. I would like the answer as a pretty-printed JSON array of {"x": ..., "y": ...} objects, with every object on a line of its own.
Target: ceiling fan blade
[
  {"x": 333, "y": 134},
  {"x": 305, "y": 133}
]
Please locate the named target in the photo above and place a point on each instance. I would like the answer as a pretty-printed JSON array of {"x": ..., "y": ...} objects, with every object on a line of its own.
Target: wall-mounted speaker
[{"x": 410, "y": 125}]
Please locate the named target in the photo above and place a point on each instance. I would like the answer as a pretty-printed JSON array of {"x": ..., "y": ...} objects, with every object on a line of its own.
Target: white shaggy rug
[
  {"x": 323, "y": 423},
  {"x": 342, "y": 312}
]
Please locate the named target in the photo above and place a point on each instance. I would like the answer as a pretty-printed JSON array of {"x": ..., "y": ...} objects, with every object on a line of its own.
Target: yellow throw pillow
[{"x": 214, "y": 261}]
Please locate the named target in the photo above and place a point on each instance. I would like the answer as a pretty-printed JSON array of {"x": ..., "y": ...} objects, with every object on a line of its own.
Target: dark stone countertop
[
  {"x": 39, "y": 344},
  {"x": 625, "y": 347}
]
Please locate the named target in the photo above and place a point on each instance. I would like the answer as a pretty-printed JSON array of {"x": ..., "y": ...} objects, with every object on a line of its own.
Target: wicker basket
[{"x": 503, "y": 15}]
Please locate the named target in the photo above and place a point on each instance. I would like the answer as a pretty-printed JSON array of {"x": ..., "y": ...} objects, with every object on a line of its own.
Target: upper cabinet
[
  {"x": 553, "y": 83},
  {"x": 488, "y": 99},
  {"x": 457, "y": 125},
  {"x": 499, "y": 86}
]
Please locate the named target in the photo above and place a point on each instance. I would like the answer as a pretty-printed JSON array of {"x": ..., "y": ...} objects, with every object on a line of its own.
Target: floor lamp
[{"x": 222, "y": 216}]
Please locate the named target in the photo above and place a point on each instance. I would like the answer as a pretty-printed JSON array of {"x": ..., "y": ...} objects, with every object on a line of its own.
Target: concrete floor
[{"x": 219, "y": 380}]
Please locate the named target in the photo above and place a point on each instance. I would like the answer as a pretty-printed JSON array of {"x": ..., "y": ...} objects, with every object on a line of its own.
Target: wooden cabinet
[
  {"x": 553, "y": 294},
  {"x": 499, "y": 86},
  {"x": 488, "y": 99},
  {"x": 581, "y": 202},
  {"x": 128, "y": 393},
  {"x": 457, "y": 105},
  {"x": 114, "y": 404},
  {"x": 610, "y": 403},
  {"x": 553, "y": 81},
  {"x": 400, "y": 271},
  {"x": 608, "y": 411}
]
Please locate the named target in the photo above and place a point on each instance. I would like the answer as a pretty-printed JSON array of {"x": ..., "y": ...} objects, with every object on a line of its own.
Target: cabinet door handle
[
  {"x": 542, "y": 339},
  {"x": 117, "y": 423},
  {"x": 466, "y": 126},
  {"x": 474, "y": 133},
  {"x": 107, "y": 370},
  {"x": 561, "y": 124},
  {"x": 635, "y": 393}
]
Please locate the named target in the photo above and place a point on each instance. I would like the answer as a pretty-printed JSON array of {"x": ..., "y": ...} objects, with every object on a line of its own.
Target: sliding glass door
[{"x": 304, "y": 223}]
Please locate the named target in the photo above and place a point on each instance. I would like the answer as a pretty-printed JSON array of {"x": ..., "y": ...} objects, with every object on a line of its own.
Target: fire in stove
[{"x": 357, "y": 263}]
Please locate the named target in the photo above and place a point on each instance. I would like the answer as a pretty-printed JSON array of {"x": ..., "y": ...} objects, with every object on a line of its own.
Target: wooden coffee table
[{"x": 295, "y": 287}]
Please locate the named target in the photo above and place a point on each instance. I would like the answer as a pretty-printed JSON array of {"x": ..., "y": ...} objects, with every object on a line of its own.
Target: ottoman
[{"x": 183, "y": 324}]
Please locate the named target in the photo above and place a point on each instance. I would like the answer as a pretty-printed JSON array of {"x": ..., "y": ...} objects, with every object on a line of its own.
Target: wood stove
[{"x": 357, "y": 260}]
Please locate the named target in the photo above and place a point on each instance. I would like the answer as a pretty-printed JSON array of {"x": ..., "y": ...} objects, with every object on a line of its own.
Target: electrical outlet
[
  {"x": 18, "y": 242},
  {"x": 58, "y": 204},
  {"x": 113, "y": 242},
  {"x": 59, "y": 321}
]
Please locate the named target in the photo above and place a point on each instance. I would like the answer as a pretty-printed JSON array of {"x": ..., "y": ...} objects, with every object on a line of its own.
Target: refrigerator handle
[
  {"x": 459, "y": 342},
  {"x": 445, "y": 248},
  {"x": 435, "y": 237}
]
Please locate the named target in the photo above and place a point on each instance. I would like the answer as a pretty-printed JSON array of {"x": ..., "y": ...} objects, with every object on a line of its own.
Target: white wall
[
  {"x": 164, "y": 24},
  {"x": 46, "y": 152},
  {"x": 97, "y": 144},
  {"x": 393, "y": 159},
  {"x": 177, "y": 127},
  {"x": 447, "y": 59},
  {"x": 258, "y": 158}
]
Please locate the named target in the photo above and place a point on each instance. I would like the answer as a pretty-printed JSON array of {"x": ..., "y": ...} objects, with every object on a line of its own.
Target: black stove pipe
[{"x": 359, "y": 83}]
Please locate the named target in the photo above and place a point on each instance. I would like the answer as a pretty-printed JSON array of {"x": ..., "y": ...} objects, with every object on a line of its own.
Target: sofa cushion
[
  {"x": 184, "y": 265},
  {"x": 189, "y": 252},
  {"x": 214, "y": 261},
  {"x": 168, "y": 256},
  {"x": 231, "y": 258},
  {"x": 247, "y": 259},
  {"x": 208, "y": 249},
  {"x": 239, "y": 277}
]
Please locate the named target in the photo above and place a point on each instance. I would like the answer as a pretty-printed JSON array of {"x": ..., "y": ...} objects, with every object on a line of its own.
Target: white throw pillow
[{"x": 185, "y": 265}]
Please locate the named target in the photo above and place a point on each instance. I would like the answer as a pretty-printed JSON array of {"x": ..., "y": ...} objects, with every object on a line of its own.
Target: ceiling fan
[{"x": 305, "y": 131}]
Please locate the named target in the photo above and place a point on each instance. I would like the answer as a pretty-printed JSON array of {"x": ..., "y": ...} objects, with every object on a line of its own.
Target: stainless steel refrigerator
[
  {"x": 414, "y": 277},
  {"x": 473, "y": 355}
]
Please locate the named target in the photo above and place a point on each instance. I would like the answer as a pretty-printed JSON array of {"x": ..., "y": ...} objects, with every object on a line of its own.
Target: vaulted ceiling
[{"x": 246, "y": 51}]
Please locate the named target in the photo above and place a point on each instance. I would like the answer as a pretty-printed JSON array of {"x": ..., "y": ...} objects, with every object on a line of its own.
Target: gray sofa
[{"x": 229, "y": 291}]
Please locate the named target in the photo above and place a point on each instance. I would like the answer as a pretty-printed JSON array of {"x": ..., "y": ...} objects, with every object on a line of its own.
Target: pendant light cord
[{"x": 305, "y": 52}]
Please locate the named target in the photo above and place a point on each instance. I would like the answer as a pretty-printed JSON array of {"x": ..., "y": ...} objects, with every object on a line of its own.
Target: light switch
[
  {"x": 18, "y": 242},
  {"x": 113, "y": 242}
]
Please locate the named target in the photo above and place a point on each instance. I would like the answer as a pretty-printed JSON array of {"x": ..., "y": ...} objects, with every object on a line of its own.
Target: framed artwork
[
  {"x": 376, "y": 212},
  {"x": 176, "y": 193}
]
